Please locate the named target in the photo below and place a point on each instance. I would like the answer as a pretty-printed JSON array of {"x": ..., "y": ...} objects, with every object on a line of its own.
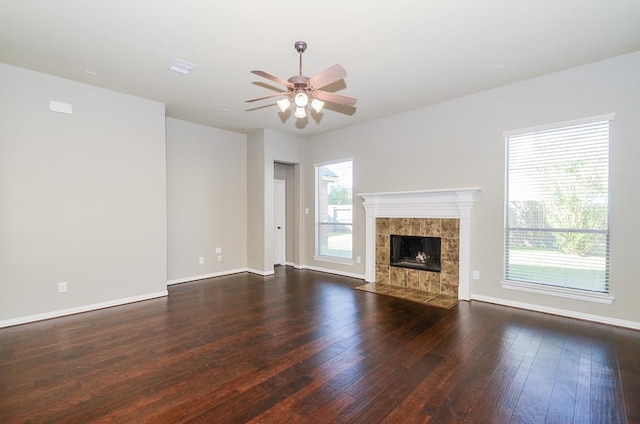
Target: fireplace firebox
[{"x": 415, "y": 252}]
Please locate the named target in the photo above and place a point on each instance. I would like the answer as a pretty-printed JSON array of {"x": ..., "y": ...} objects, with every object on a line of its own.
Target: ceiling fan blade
[
  {"x": 272, "y": 78},
  {"x": 267, "y": 97},
  {"x": 338, "y": 99},
  {"x": 328, "y": 76}
]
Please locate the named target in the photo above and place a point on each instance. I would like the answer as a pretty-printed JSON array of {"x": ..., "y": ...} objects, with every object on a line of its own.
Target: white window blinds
[{"x": 557, "y": 209}]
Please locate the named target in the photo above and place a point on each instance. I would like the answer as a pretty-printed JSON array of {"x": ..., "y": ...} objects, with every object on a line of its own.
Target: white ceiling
[{"x": 399, "y": 55}]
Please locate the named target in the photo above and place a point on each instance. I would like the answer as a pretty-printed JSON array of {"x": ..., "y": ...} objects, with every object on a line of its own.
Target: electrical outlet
[
  {"x": 219, "y": 258},
  {"x": 358, "y": 259},
  {"x": 62, "y": 287},
  {"x": 218, "y": 250},
  {"x": 201, "y": 260},
  {"x": 476, "y": 275}
]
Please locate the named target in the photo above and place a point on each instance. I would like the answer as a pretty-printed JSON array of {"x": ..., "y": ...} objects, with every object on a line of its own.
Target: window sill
[
  {"x": 334, "y": 260},
  {"x": 558, "y": 291}
]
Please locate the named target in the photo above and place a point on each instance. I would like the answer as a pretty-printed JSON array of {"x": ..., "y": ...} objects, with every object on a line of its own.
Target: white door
[{"x": 279, "y": 207}]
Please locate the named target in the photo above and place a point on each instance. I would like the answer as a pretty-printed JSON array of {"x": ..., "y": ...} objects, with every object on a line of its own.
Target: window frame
[
  {"x": 317, "y": 221},
  {"x": 548, "y": 289}
]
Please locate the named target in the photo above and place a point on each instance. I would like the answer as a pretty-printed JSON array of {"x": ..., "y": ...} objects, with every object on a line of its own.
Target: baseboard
[
  {"x": 263, "y": 273},
  {"x": 205, "y": 276},
  {"x": 332, "y": 271},
  {"x": 556, "y": 311},
  {"x": 80, "y": 309}
]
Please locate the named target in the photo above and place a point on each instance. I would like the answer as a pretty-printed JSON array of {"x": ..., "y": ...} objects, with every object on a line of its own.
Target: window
[
  {"x": 334, "y": 206},
  {"x": 557, "y": 210}
]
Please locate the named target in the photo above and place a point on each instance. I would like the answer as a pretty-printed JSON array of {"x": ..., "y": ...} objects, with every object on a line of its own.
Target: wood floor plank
[
  {"x": 304, "y": 347},
  {"x": 535, "y": 397},
  {"x": 564, "y": 388}
]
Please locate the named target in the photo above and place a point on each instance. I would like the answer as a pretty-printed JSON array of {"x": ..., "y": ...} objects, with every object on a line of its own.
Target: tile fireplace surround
[
  {"x": 440, "y": 213},
  {"x": 446, "y": 281}
]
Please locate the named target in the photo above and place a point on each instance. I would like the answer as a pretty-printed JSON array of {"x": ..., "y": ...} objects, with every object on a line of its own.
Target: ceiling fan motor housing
[{"x": 299, "y": 81}]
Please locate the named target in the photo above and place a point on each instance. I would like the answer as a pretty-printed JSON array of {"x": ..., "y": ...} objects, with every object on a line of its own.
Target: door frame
[{"x": 279, "y": 220}]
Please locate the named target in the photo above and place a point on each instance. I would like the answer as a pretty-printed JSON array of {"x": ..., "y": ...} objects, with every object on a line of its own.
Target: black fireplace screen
[{"x": 416, "y": 252}]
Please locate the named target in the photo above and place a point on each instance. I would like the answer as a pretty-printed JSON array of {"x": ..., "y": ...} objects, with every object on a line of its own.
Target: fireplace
[
  {"x": 415, "y": 252},
  {"x": 442, "y": 213}
]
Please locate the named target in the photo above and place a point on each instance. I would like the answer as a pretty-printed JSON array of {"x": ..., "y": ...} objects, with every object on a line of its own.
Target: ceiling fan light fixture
[
  {"x": 317, "y": 105},
  {"x": 300, "y": 112},
  {"x": 301, "y": 99},
  {"x": 284, "y": 104}
]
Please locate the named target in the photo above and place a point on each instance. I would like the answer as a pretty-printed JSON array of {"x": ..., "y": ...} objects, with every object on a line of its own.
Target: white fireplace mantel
[{"x": 446, "y": 203}]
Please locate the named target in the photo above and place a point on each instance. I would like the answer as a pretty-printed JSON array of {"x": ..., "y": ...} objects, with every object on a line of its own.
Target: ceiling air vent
[{"x": 182, "y": 67}]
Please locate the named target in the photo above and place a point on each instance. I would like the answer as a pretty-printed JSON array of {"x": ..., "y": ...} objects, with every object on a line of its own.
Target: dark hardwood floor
[{"x": 302, "y": 346}]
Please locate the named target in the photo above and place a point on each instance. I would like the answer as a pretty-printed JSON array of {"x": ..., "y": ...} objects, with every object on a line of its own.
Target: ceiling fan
[{"x": 302, "y": 91}]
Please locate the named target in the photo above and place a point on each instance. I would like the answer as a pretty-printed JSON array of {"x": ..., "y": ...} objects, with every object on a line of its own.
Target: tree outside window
[{"x": 334, "y": 210}]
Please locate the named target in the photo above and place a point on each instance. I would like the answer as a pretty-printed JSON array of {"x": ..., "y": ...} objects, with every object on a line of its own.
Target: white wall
[
  {"x": 82, "y": 197},
  {"x": 256, "y": 195},
  {"x": 207, "y": 203},
  {"x": 460, "y": 144}
]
